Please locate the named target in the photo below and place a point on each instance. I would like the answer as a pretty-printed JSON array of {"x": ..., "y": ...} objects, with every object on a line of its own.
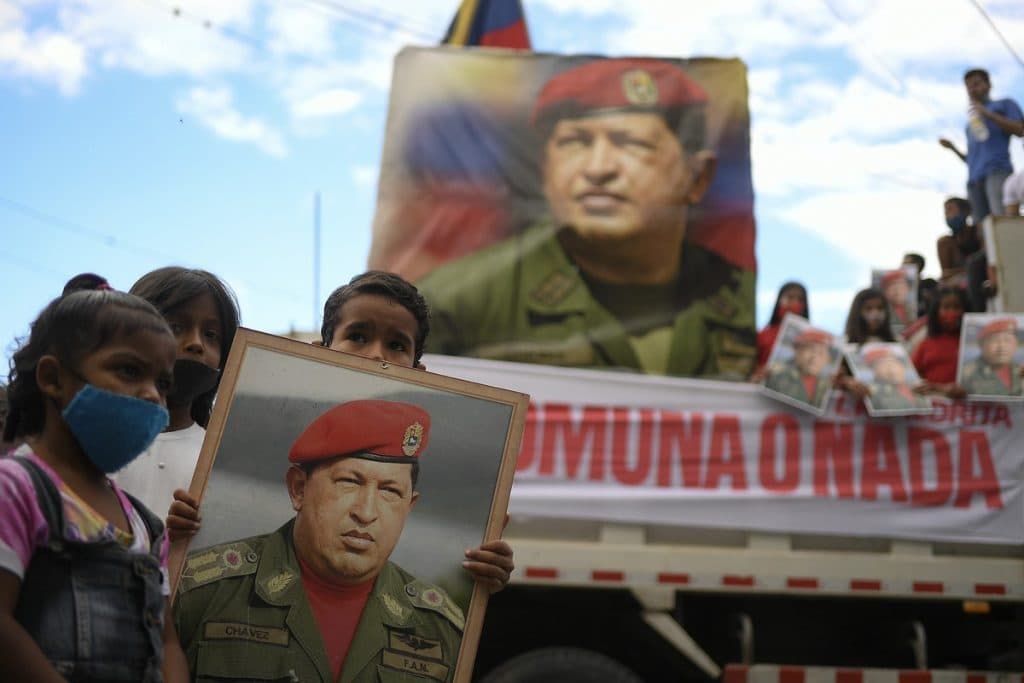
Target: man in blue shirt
[{"x": 989, "y": 127}]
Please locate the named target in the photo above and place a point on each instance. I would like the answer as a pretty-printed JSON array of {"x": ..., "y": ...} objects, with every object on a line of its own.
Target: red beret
[
  {"x": 893, "y": 276},
  {"x": 876, "y": 354},
  {"x": 813, "y": 336},
  {"x": 376, "y": 430},
  {"x": 617, "y": 85},
  {"x": 998, "y": 325}
]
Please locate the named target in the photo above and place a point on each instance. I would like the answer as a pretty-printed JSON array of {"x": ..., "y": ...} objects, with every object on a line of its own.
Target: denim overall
[{"x": 94, "y": 608}]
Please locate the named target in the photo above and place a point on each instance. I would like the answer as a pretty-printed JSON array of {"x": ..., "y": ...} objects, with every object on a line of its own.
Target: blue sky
[{"x": 134, "y": 138}]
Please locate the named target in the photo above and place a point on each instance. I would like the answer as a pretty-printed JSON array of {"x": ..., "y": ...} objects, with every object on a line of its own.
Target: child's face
[
  {"x": 139, "y": 365},
  {"x": 873, "y": 313},
  {"x": 197, "y": 330},
  {"x": 950, "y": 311},
  {"x": 373, "y": 326}
]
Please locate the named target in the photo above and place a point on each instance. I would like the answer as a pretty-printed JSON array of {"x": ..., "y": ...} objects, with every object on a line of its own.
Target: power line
[
  {"x": 996, "y": 30},
  {"x": 405, "y": 19},
  {"x": 227, "y": 31},
  {"x": 904, "y": 87},
  {"x": 371, "y": 19},
  {"x": 82, "y": 231},
  {"x": 113, "y": 242}
]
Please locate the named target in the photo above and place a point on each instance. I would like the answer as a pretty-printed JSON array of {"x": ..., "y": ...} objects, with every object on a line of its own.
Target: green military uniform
[
  {"x": 242, "y": 614},
  {"x": 887, "y": 396},
  {"x": 786, "y": 378},
  {"x": 980, "y": 379},
  {"x": 523, "y": 300}
]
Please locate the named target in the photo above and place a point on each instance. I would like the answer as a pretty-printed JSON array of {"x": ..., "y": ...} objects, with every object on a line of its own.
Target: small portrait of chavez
[
  {"x": 890, "y": 376},
  {"x": 991, "y": 364},
  {"x": 801, "y": 365},
  {"x": 899, "y": 286}
]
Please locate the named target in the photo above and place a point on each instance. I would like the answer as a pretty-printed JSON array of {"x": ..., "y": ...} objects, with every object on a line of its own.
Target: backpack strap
[
  {"x": 50, "y": 502},
  {"x": 153, "y": 524}
]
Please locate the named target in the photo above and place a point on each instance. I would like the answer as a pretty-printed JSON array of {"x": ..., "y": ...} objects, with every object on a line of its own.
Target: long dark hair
[
  {"x": 934, "y": 325},
  {"x": 856, "y": 329},
  {"x": 70, "y": 328},
  {"x": 172, "y": 287},
  {"x": 792, "y": 284}
]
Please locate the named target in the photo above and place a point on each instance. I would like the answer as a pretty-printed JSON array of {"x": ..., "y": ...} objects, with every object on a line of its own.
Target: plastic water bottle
[{"x": 976, "y": 124}]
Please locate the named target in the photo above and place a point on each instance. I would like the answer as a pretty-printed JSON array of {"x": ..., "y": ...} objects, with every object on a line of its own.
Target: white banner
[{"x": 635, "y": 448}]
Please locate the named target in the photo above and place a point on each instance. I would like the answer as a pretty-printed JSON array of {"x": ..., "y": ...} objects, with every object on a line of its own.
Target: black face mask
[{"x": 191, "y": 379}]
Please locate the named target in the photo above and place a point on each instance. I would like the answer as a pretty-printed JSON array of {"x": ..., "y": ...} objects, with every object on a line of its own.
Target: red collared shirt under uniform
[{"x": 337, "y": 610}]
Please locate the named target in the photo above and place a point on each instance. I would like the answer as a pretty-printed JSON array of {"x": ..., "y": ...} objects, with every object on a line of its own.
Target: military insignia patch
[
  {"x": 413, "y": 439},
  {"x": 216, "y": 563},
  {"x": 639, "y": 87},
  {"x": 553, "y": 289},
  {"x": 721, "y": 305},
  {"x": 228, "y": 630},
  {"x": 392, "y": 605},
  {"x": 413, "y": 644},
  {"x": 232, "y": 558},
  {"x": 278, "y": 583},
  {"x": 197, "y": 561},
  {"x": 436, "y": 600},
  {"x": 414, "y": 665}
]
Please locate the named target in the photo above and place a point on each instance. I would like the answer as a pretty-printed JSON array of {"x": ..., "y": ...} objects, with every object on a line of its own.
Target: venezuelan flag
[{"x": 494, "y": 23}]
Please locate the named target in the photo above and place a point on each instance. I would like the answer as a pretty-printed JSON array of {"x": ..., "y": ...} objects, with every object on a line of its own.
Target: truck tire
[{"x": 562, "y": 664}]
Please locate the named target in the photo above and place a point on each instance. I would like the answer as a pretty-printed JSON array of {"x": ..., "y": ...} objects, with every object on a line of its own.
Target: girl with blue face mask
[{"x": 83, "y": 565}]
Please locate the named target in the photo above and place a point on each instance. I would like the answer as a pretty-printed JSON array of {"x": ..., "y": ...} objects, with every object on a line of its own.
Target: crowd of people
[
  {"x": 107, "y": 403},
  {"x": 965, "y": 284},
  {"x": 108, "y": 398}
]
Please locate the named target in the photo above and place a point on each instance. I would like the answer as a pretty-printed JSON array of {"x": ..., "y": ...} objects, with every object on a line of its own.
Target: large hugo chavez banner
[
  {"x": 573, "y": 211},
  {"x": 720, "y": 455}
]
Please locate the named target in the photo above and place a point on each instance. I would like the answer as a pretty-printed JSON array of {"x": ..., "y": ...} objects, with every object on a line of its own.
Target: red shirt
[
  {"x": 935, "y": 358},
  {"x": 765, "y": 341},
  {"x": 337, "y": 610}
]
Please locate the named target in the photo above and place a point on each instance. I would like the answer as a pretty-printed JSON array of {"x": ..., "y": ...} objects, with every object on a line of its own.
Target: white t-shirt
[
  {"x": 165, "y": 466},
  {"x": 1013, "y": 189}
]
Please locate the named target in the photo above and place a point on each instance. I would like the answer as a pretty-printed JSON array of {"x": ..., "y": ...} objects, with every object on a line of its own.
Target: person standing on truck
[
  {"x": 608, "y": 279},
  {"x": 990, "y": 125}
]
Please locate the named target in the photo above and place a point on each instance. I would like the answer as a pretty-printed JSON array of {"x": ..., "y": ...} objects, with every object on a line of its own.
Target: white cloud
[
  {"x": 153, "y": 40},
  {"x": 43, "y": 56},
  {"x": 300, "y": 30},
  {"x": 214, "y": 108},
  {"x": 872, "y": 227},
  {"x": 365, "y": 176},
  {"x": 327, "y": 103}
]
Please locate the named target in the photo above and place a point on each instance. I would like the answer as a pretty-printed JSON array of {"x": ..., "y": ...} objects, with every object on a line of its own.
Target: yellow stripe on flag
[{"x": 464, "y": 23}]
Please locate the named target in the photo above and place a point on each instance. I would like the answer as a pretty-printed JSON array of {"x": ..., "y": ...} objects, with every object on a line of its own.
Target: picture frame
[
  {"x": 902, "y": 313},
  {"x": 992, "y": 357},
  {"x": 784, "y": 376},
  {"x": 272, "y": 391},
  {"x": 887, "y": 370}
]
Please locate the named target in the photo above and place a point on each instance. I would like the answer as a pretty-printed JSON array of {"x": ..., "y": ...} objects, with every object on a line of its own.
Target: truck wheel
[{"x": 562, "y": 664}]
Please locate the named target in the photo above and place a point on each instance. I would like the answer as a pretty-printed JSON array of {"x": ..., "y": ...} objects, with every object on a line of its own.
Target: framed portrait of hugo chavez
[
  {"x": 801, "y": 365},
  {"x": 338, "y": 495},
  {"x": 890, "y": 377},
  {"x": 991, "y": 363},
  {"x": 899, "y": 287}
]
